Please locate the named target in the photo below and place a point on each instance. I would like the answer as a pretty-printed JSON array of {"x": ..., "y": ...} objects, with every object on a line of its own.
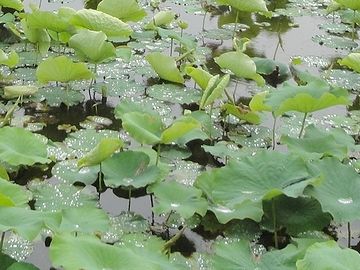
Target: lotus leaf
[
  {"x": 335, "y": 42},
  {"x": 162, "y": 18},
  {"x": 352, "y": 61},
  {"x": 15, "y": 91},
  {"x": 39, "y": 37},
  {"x": 13, "y": 194},
  {"x": 104, "y": 149},
  {"x": 8, "y": 263},
  {"x": 200, "y": 76},
  {"x": 62, "y": 69},
  {"x": 214, "y": 90},
  {"x": 10, "y": 60},
  {"x": 55, "y": 96},
  {"x": 241, "y": 65},
  {"x": 172, "y": 196},
  {"x": 14, "y": 4},
  {"x": 328, "y": 256},
  {"x": 249, "y": 6},
  {"x": 174, "y": 93},
  {"x": 179, "y": 128},
  {"x": 338, "y": 193},
  {"x": 352, "y": 4},
  {"x": 99, "y": 21},
  {"x": 125, "y": 10},
  {"x": 92, "y": 46},
  {"x": 165, "y": 66},
  {"x": 236, "y": 190},
  {"x": 21, "y": 147},
  {"x": 47, "y": 20},
  {"x": 242, "y": 113},
  {"x": 130, "y": 169},
  {"x": 92, "y": 254}
]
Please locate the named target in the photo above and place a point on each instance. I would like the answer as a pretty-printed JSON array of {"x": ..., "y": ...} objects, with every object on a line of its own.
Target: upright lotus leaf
[
  {"x": 15, "y": 91},
  {"x": 257, "y": 103},
  {"x": 144, "y": 128},
  {"x": 318, "y": 143},
  {"x": 245, "y": 5},
  {"x": 125, "y": 10},
  {"x": 242, "y": 113},
  {"x": 296, "y": 215},
  {"x": 39, "y": 37},
  {"x": 200, "y": 76},
  {"x": 315, "y": 95},
  {"x": 179, "y": 128},
  {"x": 351, "y": 61},
  {"x": 329, "y": 256},
  {"x": 92, "y": 46},
  {"x": 13, "y": 194},
  {"x": 14, "y": 4},
  {"x": 92, "y": 254},
  {"x": 352, "y": 4},
  {"x": 173, "y": 196},
  {"x": 89, "y": 220},
  {"x": 62, "y": 69},
  {"x": 104, "y": 149},
  {"x": 27, "y": 223},
  {"x": 21, "y": 147},
  {"x": 214, "y": 90},
  {"x": 236, "y": 190},
  {"x": 10, "y": 60},
  {"x": 99, "y": 21},
  {"x": 165, "y": 66},
  {"x": 39, "y": 19},
  {"x": 161, "y": 19},
  {"x": 241, "y": 65},
  {"x": 338, "y": 193},
  {"x": 130, "y": 169}
]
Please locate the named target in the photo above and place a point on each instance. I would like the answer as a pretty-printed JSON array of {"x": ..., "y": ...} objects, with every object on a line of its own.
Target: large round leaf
[
  {"x": 338, "y": 194},
  {"x": 130, "y": 169},
  {"x": 13, "y": 194},
  {"x": 241, "y": 185},
  {"x": 125, "y": 10},
  {"x": 353, "y": 4},
  {"x": 21, "y": 147},
  {"x": 62, "y": 69},
  {"x": 47, "y": 20},
  {"x": 245, "y": 5}
]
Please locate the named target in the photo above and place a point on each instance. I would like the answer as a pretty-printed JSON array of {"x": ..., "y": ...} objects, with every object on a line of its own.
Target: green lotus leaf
[
  {"x": 128, "y": 106},
  {"x": 162, "y": 18},
  {"x": 200, "y": 76},
  {"x": 174, "y": 93},
  {"x": 352, "y": 4},
  {"x": 172, "y": 196},
  {"x": 47, "y": 20},
  {"x": 10, "y": 60},
  {"x": 104, "y": 149},
  {"x": 144, "y": 128},
  {"x": 62, "y": 69},
  {"x": 236, "y": 190},
  {"x": 15, "y": 91},
  {"x": 242, "y": 113},
  {"x": 88, "y": 220},
  {"x": 214, "y": 90},
  {"x": 130, "y": 169},
  {"x": 179, "y": 128},
  {"x": 92, "y": 46},
  {"x": 328, "y": 256},
  {"x": 268, "y": 66},
  {"x": 241, "y": 65},
  {"x": 3, "y": 173},
  {"x": 40, "y": 37},
  {"x": 335, "y": 42},
  {"x": 13, "y": 194},
  {"x": 351, "y": 61},
  {"x": 21, "y": 147},
  {"x": 99, "y": 21},
  {"x": 8, "y": 263},
  {"x": 257, "y": 102},
  {"x": 249, "y": 6},
  {"x": 337, "y": 193},
  {"x": 27, "y": 223},
  {"x": 55, "y": 96},
  {"x": 125, "y": 10},
  {"x": 92, "y": 254},
  {"x": 297, "y": 215},
  {"x": 317, "y": 143},
  {"x": 67, "y": 171},
  {"x": 165, "y": 66},
  {"x": 14, "y": 4}
]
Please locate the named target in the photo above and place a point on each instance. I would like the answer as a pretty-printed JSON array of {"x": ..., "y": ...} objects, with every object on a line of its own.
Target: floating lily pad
[
  {"x": 343, "y": 78},
  {"x": 335, "y": 42},
  {"x": 218, "y": 34},
  {"x": 121, "y": 88},
  {"x": 55, "y": 96},
  {"x": 336, "y": 28},
  {"x": 185, "y": 172},
  {"x": 19, "y": 249},
  {"x": 174, "y": 93}
]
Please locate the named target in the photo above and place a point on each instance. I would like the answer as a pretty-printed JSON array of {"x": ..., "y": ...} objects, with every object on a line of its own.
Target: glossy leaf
[
  {"x": 178, "y": 129},
  {"x": 162, "y": 18},
  {"x": 214, "y": 90},
  {"x": 104, "y": 149},
  {"x": 130, "y": 169},
  {"x": 21, "y": 147},
  {"x": 125, "y": 10},
  {"x": 165, "y": 66},
  {"x": 92, "y": 46},
  {"x": 351, "y": 61},
  {"x": 14, "y": 4},
  {"x": 39, "y": 19},
  {"x": 172, "y": 196},
  {"x": 241, "y": 65},
  {"x": 236, "y": 190}
]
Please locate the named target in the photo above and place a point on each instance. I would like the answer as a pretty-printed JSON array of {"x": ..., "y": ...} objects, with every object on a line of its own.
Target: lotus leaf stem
[
  {"x": 171, "y": 46},
  {"x": 152, "y": 212},
  {"x": 172, "y": 241},
  {"x": 353, "y": 27},
  {"x": 203, "y": 22},
  {"x": 274, "y": 132},
  {"x": 100, "y": 178},
  {"x": 302, "y": 125},
  {"x": 2, "y": 241},
  {"x": 129, "y": 205},
  {"x": 229, "y": 97},
  {"x": 273, "y": 208},
  {"x": 349, "y": 234},
  {"x": 181, "y": 57},
  {"x": 236, "y": 23}
]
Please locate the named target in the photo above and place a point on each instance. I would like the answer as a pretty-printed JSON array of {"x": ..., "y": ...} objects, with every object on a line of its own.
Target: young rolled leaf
[
  {"x": 200, "y": 76},
  {"x": 15, "y": 91},
  {"x": 165, "y": 66},
  {"x": 62, "y": 69},
  {"x": 241, "y": 65},
  {"x": 214, "y": 90},
  {"x": 125, "y": 10},
  {"x": 104, "y": 149},
  {"x": 92, "y": 46}
]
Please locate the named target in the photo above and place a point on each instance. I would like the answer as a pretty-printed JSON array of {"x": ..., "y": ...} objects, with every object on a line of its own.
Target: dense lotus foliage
[{"x": 157, "y": 135}]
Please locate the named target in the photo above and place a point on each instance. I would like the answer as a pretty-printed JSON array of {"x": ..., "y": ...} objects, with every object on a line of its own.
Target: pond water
[{"x": 282, "y": 39}]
